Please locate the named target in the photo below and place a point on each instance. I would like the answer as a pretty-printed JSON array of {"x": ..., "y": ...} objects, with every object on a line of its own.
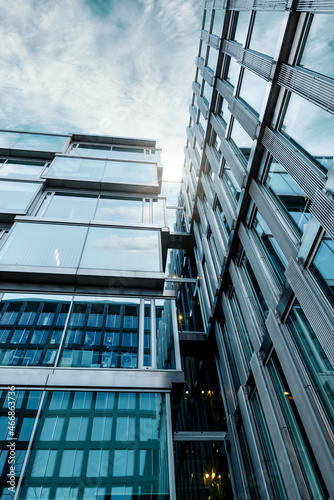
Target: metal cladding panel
[
  {"x": 279, "y": 5},
  {"x": 246, "y": 118},
  {"x": 218, "y": 126},
  {"x": 235, "y": 341},
  {"x": 315, "y": 5},
  {"x": 203, "y": 107},
  {"x": 313, "y": 86},
  {"x": 258, "y": 63},
  {"x": 322, "y": 207},
  {"x": 255, "y": 333},
  {"x": 296, "y": 163},
  {"x": 267, "y": 285},
  {"x": 224, "y": 199},
  {"x": 252, "y": 444},
  {"x": 276, "y": 432},
  {"x": 233, "y": 161},
  {"x": 207, "y": 188},
  {"x": 204, "y": 36},
  {"x": 208, "y": 76},
  {"x": 193, "y": 112},
  {"x": 216, "y": 234},
  {"x": 214, "y": 41},
  {"x": 315, "y": 306},
  {"x": 304, "y": 397},
  {"x": 199, "y": 61},
  {"x": 232, "y": 48},
  {"x": 271, "y": 214},
  {"x": 196, "y": 88},
  {"x": 199, "y": 135},
  {"x": 224, "y": 89},
  {"x": 211, "y": 156}
]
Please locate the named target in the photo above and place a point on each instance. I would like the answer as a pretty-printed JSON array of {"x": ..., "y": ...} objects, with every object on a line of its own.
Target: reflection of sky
[
  {"x": 266, "y": 29},
  {"x": 318, "y": 53},
  {"x": 310, "y": 126},
  {"x": 101, "y": 67},
  {"x": 252, "y": 90}
]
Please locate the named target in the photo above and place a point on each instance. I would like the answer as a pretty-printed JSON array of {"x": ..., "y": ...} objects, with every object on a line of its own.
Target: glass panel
[
  {"x": 119, "y": 209},
  {"x": 314, "y": 358},
  {"x": 159, "y": 212},
  {"x": 130, "y": 172},
  {"x": 311, "y": 127},
  {"x": 98, "y": 151},
  {"x": 232, "y": 70},
  {"x": 265, "y": 32},
  {"x": 106, "y": 464},
  {"x": 164, "y": 334},
  {"x": 241, "y": 23},
  {"x": 252, "y": 90},
  {"x": 15, "y": 427},
  {"x": 275, "y": 477},
  {"x": 76, "y": 168},
  {"x": 241, "y": 141},
  {"x": 16, "y": 169},
  {"x": 31, "y": 244},
  {"x": 319, "y": 46},
  {"x": 38, "y": 142},
  {"x": 241, "y": 327},
  {"x": 324, "y": 261},
  {"x": 296, "y": 432},
  {"x": 292, "y": 198},
  {"x": 121, "y": 249},
  {"x": 17, "y": 195},
  {"x": 217, "y": 27},
  {"x": 69, "y": 206},
  {"x": 9, "y": 139},
  {"x": 271, "y": 251}
]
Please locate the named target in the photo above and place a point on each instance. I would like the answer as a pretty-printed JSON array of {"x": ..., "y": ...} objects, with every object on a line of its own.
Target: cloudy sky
[{"x": 109, "y": 67}]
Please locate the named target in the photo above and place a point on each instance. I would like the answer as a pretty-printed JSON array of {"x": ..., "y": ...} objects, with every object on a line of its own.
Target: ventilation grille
[
  {"x": 315, "y": 5},
  {"x": 246, "y": 118},
  {"x": 204, "y": 36},
  {"x": 218, "y": 126},
  {"x": 322, "y": 208},
  {"x": 214, "y": 41},
  {"x": 301, "y": 169},
  {"x": 203, "y": 107},
  {"x": 308, "y": 84},
  {"x": 259, "y": 63},
  {"x": 196, "y": 88},
  {"x": 209, "y": 151},
  {"x": 215, "y": 4},
  {"x": 260, "y": 4},
  {"x": 319, "y": 314},
  {"x": 232, "y": 48},
  {"x": 199, "y": 61},
  {"x": 224, "y": 89}
]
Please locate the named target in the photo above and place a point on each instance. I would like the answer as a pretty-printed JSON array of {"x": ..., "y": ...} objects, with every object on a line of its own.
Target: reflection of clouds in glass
[
  {"x": 126, "y": 244},
  {"x": 320, "y": 46},
  {"x": 252, "y": 90},
  {"x": 124, "y": 214},
  {"x": 310, "y": 126},
  {"x": 265, "y": 32}
]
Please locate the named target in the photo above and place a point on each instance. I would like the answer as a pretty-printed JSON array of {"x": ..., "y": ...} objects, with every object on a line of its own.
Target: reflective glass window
[
  {"x": 38, "y": 142},
  {"x": 241, "y": 24},
  {"x": 274, "y": 256},
  {"x": 218, "y": 20},
  {"x": 232, "y": 70},
  {"x": 69, "y": 206},
  {"x": 96, "y": 150},
  {"x": 130, "y": 172},
  {"x": 76, "y": 168},
  {"x": 125, "y": 450},
  {"x": 290, "y": 196},
  {"x": 212, "y": 59},
  {"x": 298, "y": 436},
  {"x": 241, "y": 141},
  {"x": 313, "y": 357},
  {"x": 241, "y": 326},
  {"x": 119, "y": 209},
  {"x": 121, "y": 249},
  {"x": 265, "y": 32},
  {"x": 252, "y": 90},
  {"x": 231, "y": 183},
  {"x": 17, "y": 195},
  {"x": 9, "y": 139},
  {"x": 164, "y": 334},
  {"x": 223, "y": 111},
  {"x": 311, "y": 127},
  {"x": 21, "y": 169},
  {"x": 323, "y": 261},
  {"x": 270, "y": 457},
  {"x": 31, "y": 244},
  {"x": 319, "y": 45}
]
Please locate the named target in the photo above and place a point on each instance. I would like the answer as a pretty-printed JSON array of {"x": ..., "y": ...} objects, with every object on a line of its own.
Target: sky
[{"x": 107, "y": 67}]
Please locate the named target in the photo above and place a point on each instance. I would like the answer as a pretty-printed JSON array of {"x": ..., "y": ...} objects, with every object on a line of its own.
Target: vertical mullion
[
  {"x": 153, "y": 336},
  {"x": 141, "y": 334}
]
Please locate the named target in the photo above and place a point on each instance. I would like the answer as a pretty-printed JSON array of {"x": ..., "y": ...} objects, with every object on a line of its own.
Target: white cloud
[{"x": 66, "y": 68}]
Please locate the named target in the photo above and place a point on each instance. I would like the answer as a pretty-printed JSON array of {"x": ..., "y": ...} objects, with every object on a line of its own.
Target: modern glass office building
[
  {"x": 179, "y": 348},
  {"x": 257, "y": 193}
]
